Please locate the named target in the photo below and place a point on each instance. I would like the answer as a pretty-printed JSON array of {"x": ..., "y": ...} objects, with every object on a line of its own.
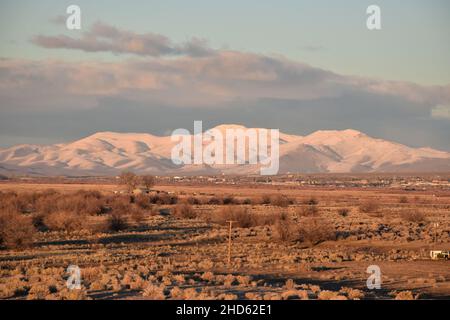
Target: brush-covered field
[{"x": 286, "y": 243}]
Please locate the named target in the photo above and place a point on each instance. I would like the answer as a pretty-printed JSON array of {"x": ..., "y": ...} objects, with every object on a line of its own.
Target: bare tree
[
  {"x": 129, "y": 179},
  {"x": 148, "y": 181}
]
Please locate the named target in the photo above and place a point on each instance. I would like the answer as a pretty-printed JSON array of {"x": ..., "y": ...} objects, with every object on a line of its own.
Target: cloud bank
[
  {"x": 166, "y": 84},
  {"x": 192, "y": 81}
]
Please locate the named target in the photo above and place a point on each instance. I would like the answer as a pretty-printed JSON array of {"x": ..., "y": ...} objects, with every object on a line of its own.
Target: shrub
[
  {"x": 266, "y": 199},
  {"x": 265, "y": 219},
  {"x": 311, "y": 201},
  {"x": 116, "y": 221},
  {"x": 38, "y": 292},
  {"x": 193, "y": 201},
  {"x": 121, "y": 205},
  {"x": 227, "y": 200},
  {"x": 403, "y": 199},
  {"x": 164, "y": 199},
  {"x": 89, "y": 194},
  {"x": 404, "y": 295},
  {"x": 46, "y": 204},
  {"x": 184, "y": 211},
  {"x": 344, "y": 212},
  {"x": 308, "y": 211},
  {"x": 315, "y": 230},
  {"x": 64, "y": 221},
  {"x": 16, "y": 231},
  {"x": 91, "y": 206},
  {"x": 148, "y": 181},
  {"x": 290, "y": 284},
  {"x": 84, "y": 202},
  {"x": 369, "y": 206},
  {"x": 154, "y": 292},
  {"x": 138, "y": 215},
  {"x": 413, "y": 216},
  {"x": 214, "y": 201},
  {"x": 352, "y": 294},
  {"x": 37, "y": 220},
  {"x": 284, "y": 227},
  {"x": 21, "y": 203},
  {"x": 142, "y": 201},
  {"x": 281, "y": 201},
  {"x": 238, "y": 214},
  {"x": 129, "y": 180},
  {"x": 330, "y": 295}
]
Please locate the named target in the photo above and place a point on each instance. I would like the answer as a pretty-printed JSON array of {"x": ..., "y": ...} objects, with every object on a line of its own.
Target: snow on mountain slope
[
  {"x": 359, "y": 152},
  {"x": 107, "y": 153}
]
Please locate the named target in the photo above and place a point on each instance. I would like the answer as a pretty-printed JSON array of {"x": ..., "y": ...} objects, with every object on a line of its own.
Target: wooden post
[
  {"x": 436, "y": 226},
  {"x": 229, "y": 242}
]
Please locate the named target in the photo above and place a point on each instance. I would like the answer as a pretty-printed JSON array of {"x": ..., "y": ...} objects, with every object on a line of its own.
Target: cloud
[
  {"x": 175, "y": 84},
  {"x": 196, "y": 74},
  {"x": 105, "y": 38},
  {"x": 192, "y": 81},
  {"x": 441, "y": 112}
]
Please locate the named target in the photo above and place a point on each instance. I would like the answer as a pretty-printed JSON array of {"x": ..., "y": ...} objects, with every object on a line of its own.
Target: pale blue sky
[{"x": 413, "y": 45}]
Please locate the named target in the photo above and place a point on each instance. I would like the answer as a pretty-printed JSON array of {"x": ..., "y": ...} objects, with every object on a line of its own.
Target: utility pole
[
  {"x": 436, "y": 226},
  {"x": 229, "y": 242}
]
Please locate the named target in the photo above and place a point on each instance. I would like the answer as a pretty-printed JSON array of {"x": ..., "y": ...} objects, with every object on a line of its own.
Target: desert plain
[{"x": 288, "y": 241}]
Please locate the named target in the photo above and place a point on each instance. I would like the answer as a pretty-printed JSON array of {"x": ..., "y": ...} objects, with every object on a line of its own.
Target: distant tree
[
  {"x": 129, "y": 179},
  {"x": 148, "y": 181}
]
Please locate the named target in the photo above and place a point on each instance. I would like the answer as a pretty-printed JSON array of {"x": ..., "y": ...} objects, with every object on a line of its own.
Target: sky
[{"x": 153, "y": 66}]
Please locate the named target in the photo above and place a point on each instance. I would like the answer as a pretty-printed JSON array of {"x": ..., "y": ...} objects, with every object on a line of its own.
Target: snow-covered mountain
[{"x": 108, "y": 153}]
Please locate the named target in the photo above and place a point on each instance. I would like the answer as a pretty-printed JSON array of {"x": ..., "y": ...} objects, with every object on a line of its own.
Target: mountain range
[{"x": 109, "y": 153}]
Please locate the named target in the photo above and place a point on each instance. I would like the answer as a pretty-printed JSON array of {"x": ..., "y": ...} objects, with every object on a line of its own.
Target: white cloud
[
  {"x": 189, "y": 74},
  {"x": 441, "y": 112}
]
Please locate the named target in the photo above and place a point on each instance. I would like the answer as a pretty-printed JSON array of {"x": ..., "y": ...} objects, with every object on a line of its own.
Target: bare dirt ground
[{"x": 168, "y": 257}]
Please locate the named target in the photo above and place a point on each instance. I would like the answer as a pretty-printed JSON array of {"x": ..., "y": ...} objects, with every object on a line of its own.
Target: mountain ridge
[{"x": 108, "y": 153}]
